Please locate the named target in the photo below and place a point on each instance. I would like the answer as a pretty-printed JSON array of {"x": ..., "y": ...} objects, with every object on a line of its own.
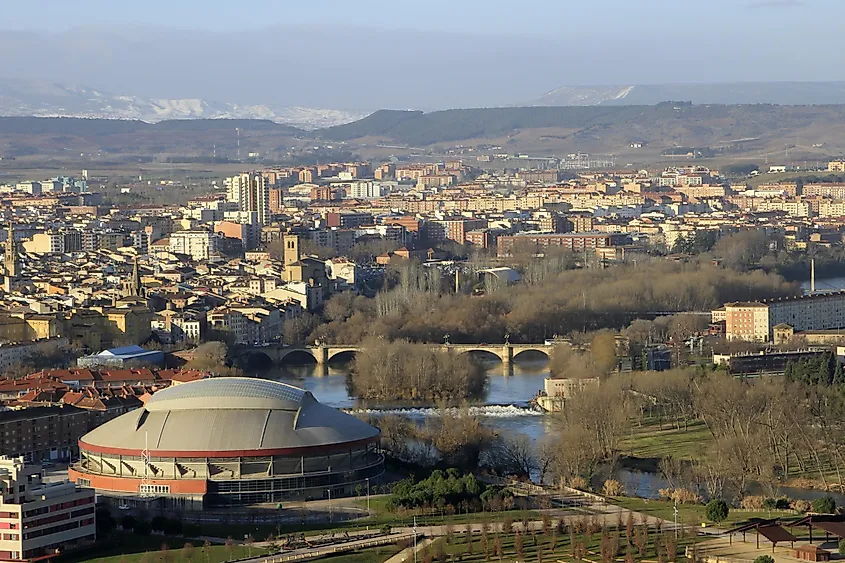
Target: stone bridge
[{"x": 326, "y": 353}]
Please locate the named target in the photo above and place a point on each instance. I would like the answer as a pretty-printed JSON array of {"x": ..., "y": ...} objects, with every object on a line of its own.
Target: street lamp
[
  {"x": 331, "y": 514},
  {"x": 675, "y": 511},
  {"x": 368, "y": 496}
]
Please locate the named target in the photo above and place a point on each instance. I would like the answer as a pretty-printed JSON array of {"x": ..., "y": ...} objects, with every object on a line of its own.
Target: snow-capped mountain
[{"x": 25, "y": 98}]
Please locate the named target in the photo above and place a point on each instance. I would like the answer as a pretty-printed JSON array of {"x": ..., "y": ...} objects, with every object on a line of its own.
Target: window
[{"x": 156, "y": 489}]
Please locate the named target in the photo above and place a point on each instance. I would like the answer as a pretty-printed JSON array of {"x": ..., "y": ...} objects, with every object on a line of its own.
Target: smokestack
[
  {"x": 457, "y": 281},
  {"x": 812, "y": 275}
]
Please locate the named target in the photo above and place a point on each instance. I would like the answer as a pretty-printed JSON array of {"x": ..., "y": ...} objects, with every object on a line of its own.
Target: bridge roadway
[{"x": 323, "y": 354}]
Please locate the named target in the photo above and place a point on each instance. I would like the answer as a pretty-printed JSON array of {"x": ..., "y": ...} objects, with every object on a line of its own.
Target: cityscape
[{"x": 345, "y": 283}]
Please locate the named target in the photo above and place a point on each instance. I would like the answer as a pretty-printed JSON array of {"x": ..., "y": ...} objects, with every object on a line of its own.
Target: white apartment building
[
  {"x": 820, "y": 311},
  {"x": 199, "y": 245},
  {"x": 33, "y": 188},
  {"x": 37, "y": 519},
  {"x": 251, "y": 191},
  {"x": 367, "y": 190},
  {"x": 835, "y": 208},
  {"x": 791, "y": 208},
  {"x": 755, "y": 321}
]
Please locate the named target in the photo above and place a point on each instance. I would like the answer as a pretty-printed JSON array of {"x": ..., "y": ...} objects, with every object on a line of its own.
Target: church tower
[
  {"x": 132, "y": 286},
  {"x": 11, "y": 260},
  {"x": 292, "y": 253}
]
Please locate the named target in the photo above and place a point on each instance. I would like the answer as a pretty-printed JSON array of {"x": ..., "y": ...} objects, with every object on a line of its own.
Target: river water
[
  {"x": 829, "y": 284},
  {"x": 505, "y": 406}
]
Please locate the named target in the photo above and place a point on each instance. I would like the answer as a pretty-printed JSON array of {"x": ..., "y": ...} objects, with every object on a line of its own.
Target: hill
[
  {"x": 605, "y": 127},
  {"x": 729, "y": 93}
]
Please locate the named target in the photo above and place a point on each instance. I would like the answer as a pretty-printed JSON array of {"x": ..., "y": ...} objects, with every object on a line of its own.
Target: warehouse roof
[{"x": 227, "y": 417}]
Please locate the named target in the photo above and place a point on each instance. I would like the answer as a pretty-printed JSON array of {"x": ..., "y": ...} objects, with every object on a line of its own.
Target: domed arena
[{"x": 228, "y": 441}]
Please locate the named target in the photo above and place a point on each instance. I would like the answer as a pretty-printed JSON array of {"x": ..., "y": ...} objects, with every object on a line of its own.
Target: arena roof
[
  {"x": 228, "y": 416},
  {"x": 230, "y": 393}
]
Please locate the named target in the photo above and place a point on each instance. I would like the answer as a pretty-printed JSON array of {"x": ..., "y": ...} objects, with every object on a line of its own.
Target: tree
[
  {"x": 188, "y": 552},
  {"x": 842, "y": 546},
  {"x": 468, "y": 536},
  {"x": 230, "y": 546},
  {"x": 824, "y": 505},
  {"x": 209, "y": 355},
  {"x": 128, "y": 522},
  {"x": 764, "y": 559},
  {"x": 613, "y": 488},
  {"x": 717, "y": 510},
  {"x": 519, "y": 546},
  {"x": 249, "y": 541}
]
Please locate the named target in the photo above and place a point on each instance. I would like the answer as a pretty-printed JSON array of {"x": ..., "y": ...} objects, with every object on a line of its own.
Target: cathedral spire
[{"x": 132, "y": 286}]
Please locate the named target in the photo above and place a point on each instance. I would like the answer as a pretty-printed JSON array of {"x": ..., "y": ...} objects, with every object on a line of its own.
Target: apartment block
[
  {"x": 42, "y": 433},
  {"x": 199, "y": 245},
  {"x": 37, "y": 519},
  {"x": 576, "y": 242}
]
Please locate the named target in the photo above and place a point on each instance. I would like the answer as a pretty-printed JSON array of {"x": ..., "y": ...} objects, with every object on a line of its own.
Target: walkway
[{"x": 584, "y": 504}]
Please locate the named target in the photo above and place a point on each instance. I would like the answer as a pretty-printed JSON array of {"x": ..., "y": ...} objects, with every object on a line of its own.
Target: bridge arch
[
  {"x": 341, "y": 354},
  {"x": 294, "y": 355},
  {"x": 518, "y": 351},
  {"x": 481, "y": 351}
]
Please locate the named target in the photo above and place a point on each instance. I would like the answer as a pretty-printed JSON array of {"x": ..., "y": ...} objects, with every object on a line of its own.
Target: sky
[
  {"x": 548, "y": 18},
  {"x": 421, "y": 54}
]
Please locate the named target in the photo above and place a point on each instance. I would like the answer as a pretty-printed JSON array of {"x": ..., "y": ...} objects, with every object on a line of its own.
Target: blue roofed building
[{"x": 122, "y": 357}]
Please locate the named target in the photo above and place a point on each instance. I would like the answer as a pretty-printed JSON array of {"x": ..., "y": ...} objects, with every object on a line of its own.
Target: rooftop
[{"x": 219, "y": 393}]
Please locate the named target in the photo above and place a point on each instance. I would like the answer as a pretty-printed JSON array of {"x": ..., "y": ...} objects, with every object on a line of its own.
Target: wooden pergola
[
  {"x": 769, "y": 529},
  {"x": 829, "y": 523}
]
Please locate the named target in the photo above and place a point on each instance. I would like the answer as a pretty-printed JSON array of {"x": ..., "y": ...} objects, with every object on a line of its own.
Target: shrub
[
  {"x": 842, "y": 546},
  {"x": 128, "y": 522},
  {"x": 764, "y": 559},
  {"x": 752, "y": 502},
  {"x": 681, "y": 496},
  {"x": 578, "y": 482},
  {"x": 769, "y": 504},
  {"x": 782, "y": 503},
  {"x": 613, "y": 488},
  {"x": 800, "y": 505},
  {"x": 717, "y": 510},
  {"x": 824, "y": 505},
  {"x": 159, "y": 523},
  {"x": 142, "y": 528}
]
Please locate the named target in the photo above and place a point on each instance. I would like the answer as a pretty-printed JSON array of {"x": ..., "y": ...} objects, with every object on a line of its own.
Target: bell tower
[{"x": 11, "y": 261}]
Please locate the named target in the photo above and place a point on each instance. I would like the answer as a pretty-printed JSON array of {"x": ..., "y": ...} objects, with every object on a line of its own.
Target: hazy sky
[
  {"x": 427, "y": 54},
  {"x": 520, "y": 17}
]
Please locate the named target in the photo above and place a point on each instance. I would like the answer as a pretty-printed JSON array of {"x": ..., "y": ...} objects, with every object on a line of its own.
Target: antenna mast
[{"x": 145, "y": 488}]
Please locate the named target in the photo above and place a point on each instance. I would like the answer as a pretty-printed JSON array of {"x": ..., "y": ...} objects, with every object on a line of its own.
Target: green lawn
[
  {"x": 130, "y": 548},
  {"x": 381, "y": 516},
  {"x": 691, "y": 514},
  {"x": 554, "y": 546},
  {"x": 652, "y": 441}
]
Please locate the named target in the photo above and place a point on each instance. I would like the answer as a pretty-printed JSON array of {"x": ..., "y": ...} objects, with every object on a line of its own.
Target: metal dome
[{"x": 228, "y": 416}]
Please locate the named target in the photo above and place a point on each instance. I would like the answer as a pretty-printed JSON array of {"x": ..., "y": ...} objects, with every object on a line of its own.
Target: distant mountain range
[
  {"x": 20, "y": 98},
  {"x": 780, "y": 93}
]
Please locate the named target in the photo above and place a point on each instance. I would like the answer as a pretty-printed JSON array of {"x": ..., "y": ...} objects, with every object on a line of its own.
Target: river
[
  {"x": 829, "y": 284},
  {"x": 505, "y": 406}
]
